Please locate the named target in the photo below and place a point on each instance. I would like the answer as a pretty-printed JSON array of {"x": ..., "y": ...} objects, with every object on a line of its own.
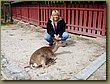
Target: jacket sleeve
[
  {"x": 63, "y": 26},
  {"x": 50, "y": 29}
]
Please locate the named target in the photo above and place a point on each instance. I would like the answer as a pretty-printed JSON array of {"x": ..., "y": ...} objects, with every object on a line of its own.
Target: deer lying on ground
[{"x": 41, "y": 56}]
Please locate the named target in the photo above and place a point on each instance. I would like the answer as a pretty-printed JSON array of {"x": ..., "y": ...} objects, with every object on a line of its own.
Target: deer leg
[
  {"x": 43, "y": 62},
  {"x": 44, "y": 65},
  {"x": 34, "y": 65}
]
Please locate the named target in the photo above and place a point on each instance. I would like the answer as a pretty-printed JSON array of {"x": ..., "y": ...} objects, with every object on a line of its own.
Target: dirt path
[{"x": 18, "y": 45}]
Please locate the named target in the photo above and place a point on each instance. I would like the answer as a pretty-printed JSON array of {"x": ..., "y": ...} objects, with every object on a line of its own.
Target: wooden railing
[{"x": 85, "y": 19}]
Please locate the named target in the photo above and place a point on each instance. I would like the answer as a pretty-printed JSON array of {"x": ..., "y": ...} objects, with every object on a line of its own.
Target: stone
[
  {"x": 44, "y": 77},
  {"x": 33, "y": 28},
  {"x": 4, "y": 61},
  {"x": 91, "y": 68},
  {"x": 15, "y": 21},
  {"x": 26, "y": 26},
  {"x": 20, "y": 24},
  {"x": 15, "y": 72}
]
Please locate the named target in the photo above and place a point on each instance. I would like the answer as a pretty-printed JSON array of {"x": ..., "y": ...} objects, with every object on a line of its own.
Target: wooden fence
[{"x": 85, "y": 19}]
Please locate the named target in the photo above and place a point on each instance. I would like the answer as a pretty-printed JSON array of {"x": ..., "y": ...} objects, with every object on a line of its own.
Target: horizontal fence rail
[{"x": 85, "y": 19}]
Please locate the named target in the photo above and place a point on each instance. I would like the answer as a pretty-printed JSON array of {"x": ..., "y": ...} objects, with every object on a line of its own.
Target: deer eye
[{"x": 61, "y": 42}]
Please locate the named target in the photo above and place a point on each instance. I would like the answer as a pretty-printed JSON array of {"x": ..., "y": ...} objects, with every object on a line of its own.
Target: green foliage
[
  {"x": 34, "y": 2},
  {"x": 61, "y": 2},
  {"x": 6, "y": 24}
]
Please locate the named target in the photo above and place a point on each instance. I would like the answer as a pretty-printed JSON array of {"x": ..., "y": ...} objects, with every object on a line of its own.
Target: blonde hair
[{"x": 55, "y": 12}]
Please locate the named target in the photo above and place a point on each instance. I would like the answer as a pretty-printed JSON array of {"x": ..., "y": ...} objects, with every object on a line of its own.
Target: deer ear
[{"x": 54, "y": 40}]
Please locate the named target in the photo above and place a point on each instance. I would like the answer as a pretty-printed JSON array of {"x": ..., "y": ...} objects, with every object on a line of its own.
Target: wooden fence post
[
  {"x": 38, "y": 14},
  {"x": 65, "y": 11},
  {"x": 104, "y": 21}
]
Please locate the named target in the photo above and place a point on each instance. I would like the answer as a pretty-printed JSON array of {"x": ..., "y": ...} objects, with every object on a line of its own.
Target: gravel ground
[{"x": 18, "y": 45}]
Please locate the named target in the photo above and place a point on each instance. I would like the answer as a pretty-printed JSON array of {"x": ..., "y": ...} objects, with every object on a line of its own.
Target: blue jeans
[{"x": 48, "y": 37}]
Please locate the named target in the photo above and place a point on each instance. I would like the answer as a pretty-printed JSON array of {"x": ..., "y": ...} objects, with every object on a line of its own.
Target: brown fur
[{"x": 41, "y": 56}]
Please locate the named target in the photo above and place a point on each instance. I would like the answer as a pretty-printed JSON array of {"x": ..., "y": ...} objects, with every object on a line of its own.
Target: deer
[{"x": 42, "y": 55}]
